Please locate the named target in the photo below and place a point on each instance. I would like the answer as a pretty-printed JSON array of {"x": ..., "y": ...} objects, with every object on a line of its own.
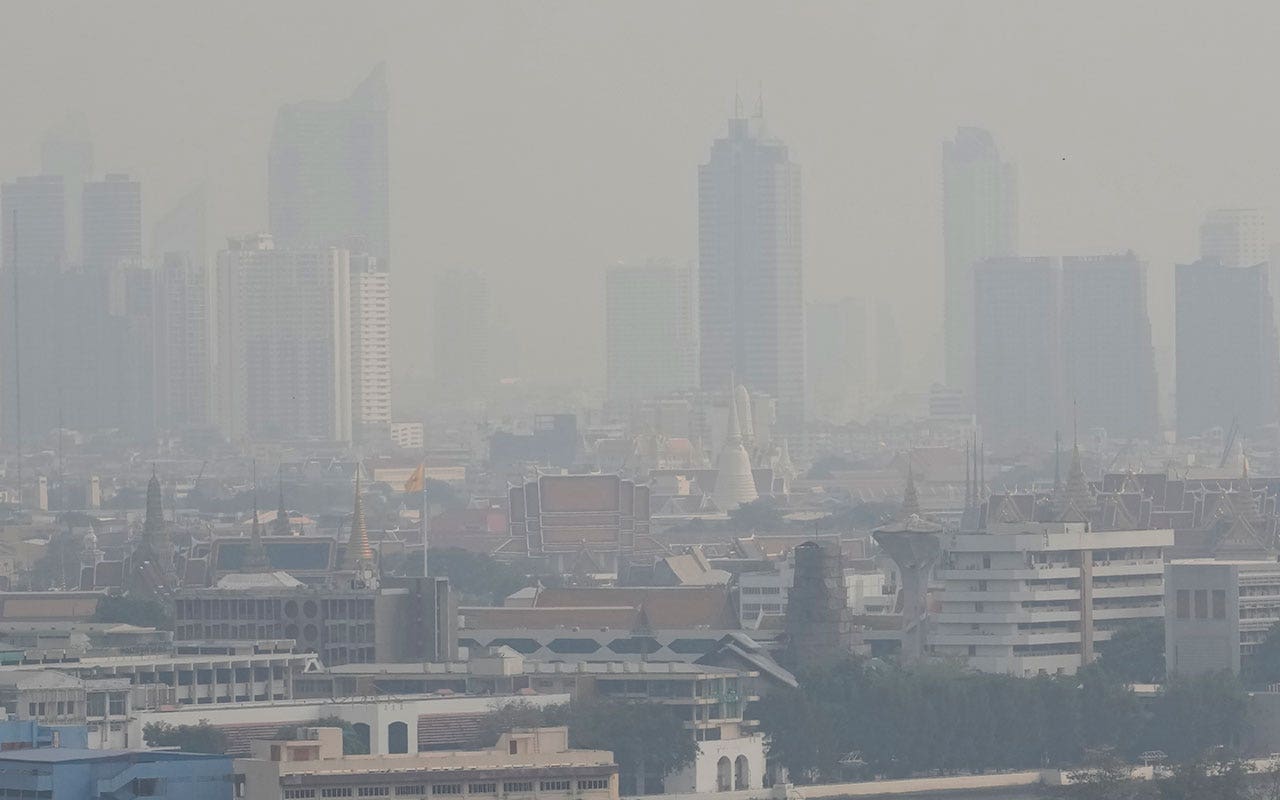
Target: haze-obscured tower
[
  {"x": 979, "y": 221},
  {"x": 328, "y": 172},
  {"x": 67, "y": 151},
  {"x": 284, "y": 342},
  {"x": 461, "y": 336},
  {"x": 1235, "y": 237},
  {"x": 1226, "y": 350},
  {"x": 1018, "y": 384},
  {"x": 751, "y": 311},
  {"x": 33, "y": 237},
  {"x": 112, "y": 223},
  {"x": 852, "y": 357},
  {"x": 184, "y": 228},
  {"x": 651, "y": 337},
  {"x": 184, "y": 343},
  {"x": 1108, "y": 358}
]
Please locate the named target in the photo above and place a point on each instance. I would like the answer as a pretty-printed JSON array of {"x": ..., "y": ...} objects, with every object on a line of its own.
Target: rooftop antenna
[
  {"x": 760, "y": 101},
  {"x": 1057, "y": 461},
  {"x": 737, "y": 102}
]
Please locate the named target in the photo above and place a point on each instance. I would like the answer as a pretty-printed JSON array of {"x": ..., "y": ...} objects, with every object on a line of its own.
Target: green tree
[
  {"x": 1135, "y": 652},
  {"x": 476, "y": 576},
  {"x": 199, "y": 738},
  {"x": 758, "y": 515},
  {"x": 1196, "y": 715},
  {"x": 1105, "y": 776},
  {"x": 1213, "y": 776},
  {"x": 519, "y": 714},
  {"x": 1263, "y": 667},
  {"x": 146, "y": 612},
  {"x": 648, "y": 741}
]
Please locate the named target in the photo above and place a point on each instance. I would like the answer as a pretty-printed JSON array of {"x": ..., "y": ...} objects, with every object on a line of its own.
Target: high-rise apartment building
[
  {"x": 1018, "y": 380},
  {"x": 370, "y": 346},
  {"x": 980, "y": 221},
  {"x": 1226, "y": 350},
  {"x": 460, "y": 336},
  {"x": 1109, "y": 363},
  {"x": 651, "y": 335},
  {"x": 284, "y": 342},
  {"x": 112, "y": 223},
  {"x": 328, "y": 180},
  {"x": 184, "y": 228},
  {"x": 33, "y": 237},
  {"x": 1234, "y": 237},
  {"x": 750, "y": 302},
  {"x": 184, "y": 343}
]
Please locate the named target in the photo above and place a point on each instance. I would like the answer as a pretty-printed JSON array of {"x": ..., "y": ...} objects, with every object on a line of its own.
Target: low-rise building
[
  {"x": 58, "y": 772},
  {"x": 1217, "y": 613},
  {"x": 536, "y": 764}
]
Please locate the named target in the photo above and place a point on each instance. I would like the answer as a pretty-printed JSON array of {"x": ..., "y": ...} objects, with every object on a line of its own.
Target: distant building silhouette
[
  {"x": 1018, "y": 347},
  {"x": 979, "y": 221},
  {"x": 1235, "y": 237},
  {"x": 112, "y": 223},
  {"x": 67, "y": 151},
  {"x": 1106, "y": 337},
  {"x": 328, "y": 175},
  {"x": 1226, "y": 351},
  {"x": 651, "y": 337},
  {"x": 284, "y": 342},
  {"x": 853, "y": 357},
  {"x": 751, "y": 310}
]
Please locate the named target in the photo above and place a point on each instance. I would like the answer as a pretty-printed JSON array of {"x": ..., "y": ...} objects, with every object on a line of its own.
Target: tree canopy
[
  {"x": 1135, "y": 652},
  {"x": 199, "y": 738},
  {"x": 144, "y": 611}
]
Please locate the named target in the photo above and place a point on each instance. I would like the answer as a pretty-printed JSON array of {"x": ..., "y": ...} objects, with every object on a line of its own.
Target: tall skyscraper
[
  {"x": 751, "y": 311},
  {"x": 67, "y": 151},
  {"x": 979, "y": 221},
  {"x": 1226, "y": 351},
  {"x": 370, "y": 346},
  {"x": 184, "y": 344},
  {"x": 112, "y": 223},
  {"x": 328, "y": 180},
  {"x": 33, "y": 236},
  {"x": 1234, "y": 237},
  {"x": 461, "y": 336},
  {"x": 651, "y": 337},
  {"x": 1109, "y": 363},
  {"x": 1017, "y": 344},
  {"x": 284, "y": 342}
]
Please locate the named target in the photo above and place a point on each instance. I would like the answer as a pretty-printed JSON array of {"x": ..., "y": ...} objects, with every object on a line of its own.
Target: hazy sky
[{"x": 540, "y": 142}]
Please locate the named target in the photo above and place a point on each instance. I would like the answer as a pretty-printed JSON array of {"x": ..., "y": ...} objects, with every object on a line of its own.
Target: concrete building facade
[
  {"x": 370, "y": 347},
  {"x": 651, "y": 333},
  {"x": 1217, "y": 612}
]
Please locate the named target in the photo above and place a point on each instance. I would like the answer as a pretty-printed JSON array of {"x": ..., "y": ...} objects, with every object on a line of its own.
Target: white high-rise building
[
  {"x": 651, "y": 336},
  {"x": 370, "y": 345},
  {"x": 284, "y": 342},
  {"x": 1234, "y": 237},
  {"x": 750, "y": 283},
  {"x": 979, "y": 221}
]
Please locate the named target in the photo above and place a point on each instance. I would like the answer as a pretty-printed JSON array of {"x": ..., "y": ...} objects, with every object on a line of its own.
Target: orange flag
[{"x": 417, "y": 480}]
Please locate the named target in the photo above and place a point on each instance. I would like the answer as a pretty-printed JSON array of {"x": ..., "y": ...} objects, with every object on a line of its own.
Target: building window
[
  {"x": 1184, "y": 604},
  {"x": 1202, "y": 604},
  {"x": 373, "y": 791},
  {"x": 589, "y": 784},
  {"x": 447, "y": 788},
  {"x": 416, "y": 789},
  {"x": 339, "y": 791},
  {"x": 482, "y": 788},
  {"x": 555, "y": 786},
  {"x": 1219, "y": 604},
  {"x": 517, "y": 786},
  {"x": 512, "y": 746},
  {"x": 299, "y": 794},
  {"x": 146, "y": 787}
]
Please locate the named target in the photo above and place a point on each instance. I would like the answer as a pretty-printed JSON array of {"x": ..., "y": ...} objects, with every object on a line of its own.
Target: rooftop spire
[
  {"x": 255, "y": 558},
  {"x": 281, "y": 525},
  {"x": 910, "y": 498},
  {"x": 358, "y": 549}
]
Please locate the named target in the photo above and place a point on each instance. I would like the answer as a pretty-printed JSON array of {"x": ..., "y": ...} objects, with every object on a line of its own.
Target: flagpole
[{"x": 425, "y": 522}]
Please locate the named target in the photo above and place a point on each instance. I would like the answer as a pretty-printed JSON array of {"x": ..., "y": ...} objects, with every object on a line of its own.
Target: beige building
[
  {"x": 532, "y": 764},
  {"x": 370, "y": 345}
]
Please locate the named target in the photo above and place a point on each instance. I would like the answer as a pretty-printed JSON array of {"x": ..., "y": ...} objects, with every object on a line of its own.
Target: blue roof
[{"x": 55, "y": 755}]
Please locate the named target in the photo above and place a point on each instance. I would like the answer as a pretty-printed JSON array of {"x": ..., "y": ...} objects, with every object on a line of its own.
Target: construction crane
[{"x": 1232, "y": 433}]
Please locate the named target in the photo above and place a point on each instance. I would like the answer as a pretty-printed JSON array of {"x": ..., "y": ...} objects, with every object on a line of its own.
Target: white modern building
[
  {"x": 370, "y": 345},
  {"x": 284, "y": 342},
  {"x": 1028, "y": 598},
  {"x": 1234, "y": 237},
  {"x": 651, "y": 335}
]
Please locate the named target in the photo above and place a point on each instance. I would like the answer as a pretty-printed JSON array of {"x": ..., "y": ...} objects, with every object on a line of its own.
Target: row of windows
[
  {"x": 1185, "y": 598},
  {"x": 629, "y": 646},
  {"x": 560, "y": 785},
  {"x": 63, "y": 708}
]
